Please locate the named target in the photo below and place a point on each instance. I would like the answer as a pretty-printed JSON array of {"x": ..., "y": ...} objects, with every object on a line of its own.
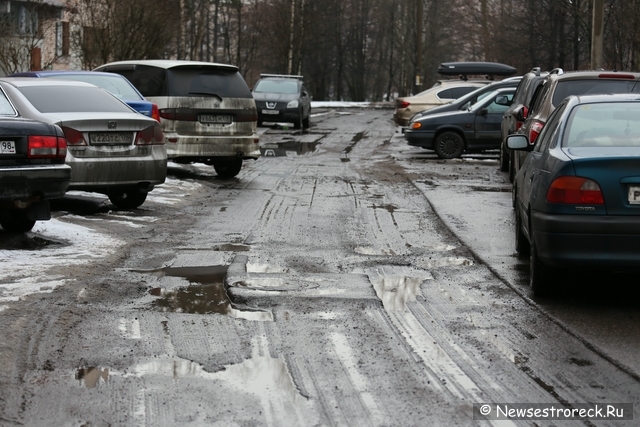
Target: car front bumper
[
  {"x": 587, "y": 240},
  {"x": 279, "y": 115},
  {"x": 418, "y": 138},
  {"x": 35, "y": 181}
]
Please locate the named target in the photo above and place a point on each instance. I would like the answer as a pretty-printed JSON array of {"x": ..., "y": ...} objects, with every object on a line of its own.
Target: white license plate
[
  {"x": 119, "y": 138},
  {"x": 271, "y": 112},
  {"x": 7, "y": 147},
  {"x": 634, "y": 195},
  {"x": 219, "y": 119}
]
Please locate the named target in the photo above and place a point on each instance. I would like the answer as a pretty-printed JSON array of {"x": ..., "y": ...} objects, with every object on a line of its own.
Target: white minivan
[{"x": 207, "y": 111}]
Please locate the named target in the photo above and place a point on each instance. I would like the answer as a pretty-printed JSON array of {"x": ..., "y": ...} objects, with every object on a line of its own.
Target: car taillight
[
  {"x": 403, "y": 104},
  {"x": 46, "y": 147},
  {"x": 575, "y": 190},
  {"x": 535, "y": 130},
  {"x": 150, "y": 136},
  {"x": 155, "y": 112},
  {"x": 616, "y": 76},
  {"x": 73, "y": 136}
]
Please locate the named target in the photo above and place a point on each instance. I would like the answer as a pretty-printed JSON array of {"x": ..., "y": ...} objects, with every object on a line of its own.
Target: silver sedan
[{"x": 112, "y": 149}]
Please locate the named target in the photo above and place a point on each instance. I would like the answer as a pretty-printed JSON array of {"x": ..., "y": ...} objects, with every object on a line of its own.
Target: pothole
[
  {"x": 24, "y": 242},
  {"x": 232, "y": 247},
  {"x": 91, "y": 377},
  {"x": 288, "y": 148},
  {"x": 445, "y": 262}
]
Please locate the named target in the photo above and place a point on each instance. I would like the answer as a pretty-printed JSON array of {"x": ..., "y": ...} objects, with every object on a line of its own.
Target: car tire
[
  {"x": 16, "y": 221},
  {"x": 541, "y": 277},
  {"x": 228, "y": 168},
  {"x": 504, "y": 158},
  {"x": 306, "y": 123},
  {"x": 522, "y": 244},
  {"x": 449, "y": 145},
  {"x": 298, "y": 123},
  {"x": 130, "y": 198}
]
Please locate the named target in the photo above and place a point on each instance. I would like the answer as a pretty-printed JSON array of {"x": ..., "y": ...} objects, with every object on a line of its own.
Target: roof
[
  {"x": 31, "y": 82},
  {"x": 45, "y": 73},
  {"x": 168, "y": 63}
]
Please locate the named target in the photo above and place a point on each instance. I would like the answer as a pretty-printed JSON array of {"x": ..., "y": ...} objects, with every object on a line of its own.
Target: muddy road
[{"x": 343, "y": 279}]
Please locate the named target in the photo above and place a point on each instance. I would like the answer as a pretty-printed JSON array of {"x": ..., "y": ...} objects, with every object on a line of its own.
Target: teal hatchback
[{"x": 577, "y": 194}]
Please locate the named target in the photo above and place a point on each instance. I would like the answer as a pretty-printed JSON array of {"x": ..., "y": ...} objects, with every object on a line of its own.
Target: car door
[
  {"x": 488, "y": 119},
  {"x": 534, "y": 170}
]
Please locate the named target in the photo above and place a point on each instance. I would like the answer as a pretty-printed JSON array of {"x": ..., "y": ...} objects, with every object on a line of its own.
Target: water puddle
[
  {"x": 91, "y": 377},
  {"x": 396, "y": 291},
  {"x": 288, "y": 148},
  {"x": 24, "y": 242},
  {"x": 206, "y": 294},
  {"x": 232, "y": 247}
]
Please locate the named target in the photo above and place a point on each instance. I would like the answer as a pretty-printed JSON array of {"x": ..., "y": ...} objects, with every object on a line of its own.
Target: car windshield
[
  {"x": 604, "y": 125},
  {"x": 478, "y": 105},
  {"x": 592, "y": 86},
  {"x": 286, "y": 87},
  {"x": 73, "y": 99},
  {"x": 115, "y": 84},
  {"x": 6, "y": 109}
]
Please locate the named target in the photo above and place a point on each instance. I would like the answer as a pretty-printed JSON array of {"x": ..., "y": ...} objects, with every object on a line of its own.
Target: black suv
[
  {"x": 510, "y": 123},
  {"x": 32, "y": 168},
  {"x": 556, "y": 87},
  {"x": 282, "y": 98}
]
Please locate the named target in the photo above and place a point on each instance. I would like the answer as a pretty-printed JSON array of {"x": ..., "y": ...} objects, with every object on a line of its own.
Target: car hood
[
  {"x": 447, "y": 116},
  {"x": 262, "y": 96}
]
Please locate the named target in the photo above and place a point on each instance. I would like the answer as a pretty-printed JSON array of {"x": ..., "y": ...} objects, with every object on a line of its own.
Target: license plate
[
  {"x": 7, "y": 147},
  {"x": 111, "y": 138},
  {"x": 271, "y": 112},
  {"x": 634, "y": 195},
  {"x": 218, "y": 119}
]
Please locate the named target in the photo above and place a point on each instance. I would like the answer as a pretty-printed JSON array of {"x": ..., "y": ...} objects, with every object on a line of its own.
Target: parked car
[
  {"x": 32, "y": 169},
  {"x": 282, "y": 98},
  {"x": 577, "y": 195},
  {"x": 451, "y": 133},
  {"x": 207, "y": 111},
  {"x": 557, "y": 86},
  {"x": 510, "y": 123},
  {"x": 111, "y": 148},
  {"x": 442, "y": 93},
  {"x": 116, "y": 84},
  {"x": 466, "y": 101}
]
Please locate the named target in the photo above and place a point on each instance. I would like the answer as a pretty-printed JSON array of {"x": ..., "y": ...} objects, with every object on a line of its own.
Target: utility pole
[
  {"x": 293, "y": 14},
  {"x": 419, "y": 13},
  {"x": 597, "y": 34}
]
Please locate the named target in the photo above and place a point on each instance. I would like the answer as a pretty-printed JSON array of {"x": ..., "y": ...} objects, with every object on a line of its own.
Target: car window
[
  {"x": 206, "y": 81},
  {"x": 521, "y": 90},
  {"x": 596, "y": 86},
  {"x": 150, "y": 81},
  {"x": 446, "y": 94},
  {"x": 286, "y": 87},
  {"x": 116, "y": 85},
  {"x": 538, "y": 98},
  {"x": 551, "y": 129},
  {"x": 6, "y": 109},
  {"x": 604, "y": 125},
  {"x": 462, "y": 91},
  {"x": 73, "y": 99}
]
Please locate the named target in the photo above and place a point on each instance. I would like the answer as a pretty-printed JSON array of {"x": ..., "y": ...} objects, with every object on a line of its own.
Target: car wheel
[
  {"x": 522, "y": 244},
  {"x": 16, "y": 221},
  {"x": 306, "y": 123},
  {"x": 504, "y": 158},
  {"x": 540, "y": 276},
  {"x": 298, "y": 123},
  {"x": 228, "y": 168},
  {"x": 449, "y": 145},
  {"x": 130, "y": 198}
]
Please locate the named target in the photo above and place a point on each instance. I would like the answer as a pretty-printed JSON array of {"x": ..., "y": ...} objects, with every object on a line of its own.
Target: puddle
[
  {"x": 445, "y": 262},
  {"x": 233, "y": 247},
  {"x": 206, "y": 294},
  {"x": 288, "y": 148},
  {"x": 493, "y": 189},
  {"x": 91, "y": 377},
  {"x": 396, "y": 291}
]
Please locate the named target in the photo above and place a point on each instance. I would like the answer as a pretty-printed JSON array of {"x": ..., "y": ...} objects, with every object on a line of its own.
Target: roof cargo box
[{"x": 475, "y": 68}]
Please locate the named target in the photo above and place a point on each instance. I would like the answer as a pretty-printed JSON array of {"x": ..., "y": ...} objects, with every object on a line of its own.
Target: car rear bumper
[
  {"x": 105, "y": 173},
  {"x": 419, "y": 138},
  {"x": 202, "y": 148},
  {"x": 36, "y": 181},
  {"x": 587, "y": 240}
]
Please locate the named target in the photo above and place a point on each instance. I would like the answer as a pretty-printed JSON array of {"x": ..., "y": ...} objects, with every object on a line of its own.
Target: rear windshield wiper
[{"x": 206, "y": 93}]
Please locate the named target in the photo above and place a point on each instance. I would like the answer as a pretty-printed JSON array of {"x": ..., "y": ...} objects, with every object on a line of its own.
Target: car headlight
[{"x": 293, "y": 104}]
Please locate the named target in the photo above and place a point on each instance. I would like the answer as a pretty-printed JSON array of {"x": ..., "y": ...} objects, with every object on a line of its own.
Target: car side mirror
[
  {"x": 521, "y": 113},
  {"x": 503, "y": 100},
  {"x": 519, "y": 143}
]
